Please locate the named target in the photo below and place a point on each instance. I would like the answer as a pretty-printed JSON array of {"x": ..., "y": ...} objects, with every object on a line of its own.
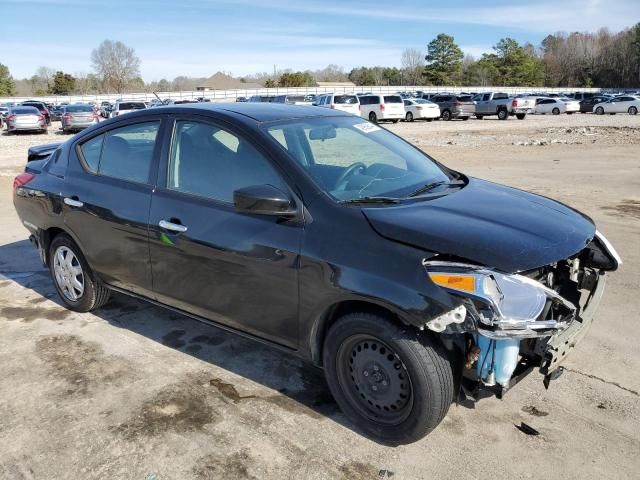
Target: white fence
[{"x": 231, "y": 95}]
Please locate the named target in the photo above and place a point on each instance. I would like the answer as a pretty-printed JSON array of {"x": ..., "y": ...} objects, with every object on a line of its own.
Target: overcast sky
[{"x": 200, "y": 37}]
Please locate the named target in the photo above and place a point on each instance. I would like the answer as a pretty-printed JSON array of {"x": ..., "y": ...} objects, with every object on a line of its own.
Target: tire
[
  {"x": 633, "y": 110},
  {"x": 411, "y": 376},
  {"x": 409, "y": 117},
  {"x": 503, "y": 114},
  {"x": 555, "y": 111},
  {"x": 446, "y": 115},
  {"x": 373, "y": 118},
  {"x": 395, "y": 121},
  {"x": 599, "y": 111},
  {"x": 429, "y": 119},
  {"x": 521, "y": 116},
  {"x": 465, "y": 118},
  {"x": 479, "y": 117},
  {"x": 69, "y": 273}
]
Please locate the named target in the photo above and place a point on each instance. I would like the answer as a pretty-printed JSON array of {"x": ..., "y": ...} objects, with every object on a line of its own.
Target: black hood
[{"x": 490, "y": 224}]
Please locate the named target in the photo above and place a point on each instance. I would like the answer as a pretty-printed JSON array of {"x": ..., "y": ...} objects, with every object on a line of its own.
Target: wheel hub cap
[{"x": 68, "y": 273}]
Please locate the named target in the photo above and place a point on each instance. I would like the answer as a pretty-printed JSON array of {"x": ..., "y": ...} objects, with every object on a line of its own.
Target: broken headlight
[{"x": 505, "y": 305}]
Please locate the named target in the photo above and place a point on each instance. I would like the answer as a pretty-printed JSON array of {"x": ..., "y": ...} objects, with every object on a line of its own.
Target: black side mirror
[{"x": 263, "y": 200}]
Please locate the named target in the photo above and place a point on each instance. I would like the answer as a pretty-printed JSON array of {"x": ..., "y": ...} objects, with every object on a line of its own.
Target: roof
[
  {"x": 335, "y": 84},
  {"x": 265, "y": 112},
  {"x": 222, "y": 81}
]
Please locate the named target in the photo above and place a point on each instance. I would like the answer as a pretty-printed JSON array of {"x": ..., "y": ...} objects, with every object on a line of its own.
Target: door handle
[
  {"x": 174, "y": 227},
  {"x": 73, "y": 202}
]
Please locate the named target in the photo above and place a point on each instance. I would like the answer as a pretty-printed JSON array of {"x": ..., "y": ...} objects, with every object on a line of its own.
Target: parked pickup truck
[{"x": 501, "y": 104}]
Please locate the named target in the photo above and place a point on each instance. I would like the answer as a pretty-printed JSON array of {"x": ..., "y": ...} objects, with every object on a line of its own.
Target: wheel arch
[{"x": 334, "y": 312}]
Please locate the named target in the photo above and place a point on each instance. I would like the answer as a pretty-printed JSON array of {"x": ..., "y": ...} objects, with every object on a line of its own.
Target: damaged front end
[{"x": 514, "y": 323}]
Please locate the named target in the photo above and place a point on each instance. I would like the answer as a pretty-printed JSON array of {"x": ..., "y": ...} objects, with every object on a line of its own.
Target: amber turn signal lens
[{"x": 458, "y": 282}]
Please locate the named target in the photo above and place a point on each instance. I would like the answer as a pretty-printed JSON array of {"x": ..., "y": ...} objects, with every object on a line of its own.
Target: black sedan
[{"x": 325, "y": 235}]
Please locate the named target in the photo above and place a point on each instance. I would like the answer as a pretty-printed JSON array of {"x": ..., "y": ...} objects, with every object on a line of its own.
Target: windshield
[
  {"x": 132, "y": 106},
  {"x": 349, "y": 158}
]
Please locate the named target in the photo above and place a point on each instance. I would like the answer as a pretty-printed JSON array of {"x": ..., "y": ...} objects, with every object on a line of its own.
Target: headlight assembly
[{"x": 507, "y": 305}]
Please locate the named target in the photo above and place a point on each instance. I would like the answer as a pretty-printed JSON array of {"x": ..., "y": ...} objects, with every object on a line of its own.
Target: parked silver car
[
  {"x": 25, "y": 119},
  {"x": 78, "y": 116}
]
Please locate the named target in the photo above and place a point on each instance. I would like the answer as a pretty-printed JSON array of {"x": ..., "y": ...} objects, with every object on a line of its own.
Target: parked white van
[
  {"x": 345, "y": 102},
  {"x": 376, "y": 108}
]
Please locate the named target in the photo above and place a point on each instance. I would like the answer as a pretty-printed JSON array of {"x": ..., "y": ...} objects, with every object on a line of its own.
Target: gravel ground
[{"x": 133, "y": 391}]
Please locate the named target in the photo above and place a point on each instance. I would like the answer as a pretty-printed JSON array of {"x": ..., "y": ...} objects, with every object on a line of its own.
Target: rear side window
[
  {"x": 127, "y": 152},
  {"x": 465, "y": 98},
  {"x": 345, "y": 99},
  {"x": 500, "y": 96},
  {"x": 91, "y": 151},
  {"x": 392, "y": 99}
]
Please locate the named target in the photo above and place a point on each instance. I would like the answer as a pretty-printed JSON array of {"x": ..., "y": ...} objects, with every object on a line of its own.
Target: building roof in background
[
  {"x": 222, "y": 81},
  {"x": 335, "y": 84}
]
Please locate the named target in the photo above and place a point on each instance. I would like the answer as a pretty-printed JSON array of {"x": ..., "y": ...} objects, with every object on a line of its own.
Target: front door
[{"x": 210, "y": 260}]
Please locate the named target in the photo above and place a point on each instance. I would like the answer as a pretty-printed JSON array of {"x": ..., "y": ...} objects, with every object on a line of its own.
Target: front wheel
[
  {"x": 521, "y": 116},
  {"x": 599, "y": 111},
  {"x": 74, "y": 280},
  {"x": 390, "y": 382},
  {"x": 633, "y": 110}
]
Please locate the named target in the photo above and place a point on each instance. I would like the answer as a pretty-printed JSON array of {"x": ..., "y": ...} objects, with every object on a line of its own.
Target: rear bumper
[{"x": 26, "y": 128}]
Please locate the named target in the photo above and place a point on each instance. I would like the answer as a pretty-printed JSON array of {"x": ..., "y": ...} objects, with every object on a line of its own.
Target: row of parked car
[
  {"x": 407, "y": 106},
  {"x": 33, "y": 115},
  {"x": 410, "y": 106}
]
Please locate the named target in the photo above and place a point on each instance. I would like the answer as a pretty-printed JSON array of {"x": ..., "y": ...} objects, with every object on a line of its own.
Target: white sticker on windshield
[{"x": 366, "y": 127}]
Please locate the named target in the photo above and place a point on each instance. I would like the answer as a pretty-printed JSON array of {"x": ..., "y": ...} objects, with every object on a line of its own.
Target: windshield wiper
[
  {"x": 381, "y": 200},
  {"x": 431, "y": 186}
]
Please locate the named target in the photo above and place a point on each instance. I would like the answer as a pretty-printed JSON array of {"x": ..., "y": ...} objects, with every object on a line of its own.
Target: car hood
[{"x": 490, "y": 224}]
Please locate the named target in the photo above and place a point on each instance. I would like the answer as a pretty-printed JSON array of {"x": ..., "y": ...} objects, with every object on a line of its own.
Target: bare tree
[
  {"x": 413, "y": 64},
  {"x": 116, "y": 64}
]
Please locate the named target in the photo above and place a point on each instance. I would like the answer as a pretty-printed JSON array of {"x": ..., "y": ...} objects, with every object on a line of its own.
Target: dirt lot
[{"x": 136, "y": 392}]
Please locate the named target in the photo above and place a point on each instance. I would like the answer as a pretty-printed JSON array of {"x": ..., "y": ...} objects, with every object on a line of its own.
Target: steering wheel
[{"x": 351, "y": 169}]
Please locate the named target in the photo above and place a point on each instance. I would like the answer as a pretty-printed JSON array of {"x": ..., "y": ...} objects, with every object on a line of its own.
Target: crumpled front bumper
[{"x": 562, "y": 342}]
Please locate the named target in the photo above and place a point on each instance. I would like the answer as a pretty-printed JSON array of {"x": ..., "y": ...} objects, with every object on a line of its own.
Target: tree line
[{"x": 588, "y": 59}]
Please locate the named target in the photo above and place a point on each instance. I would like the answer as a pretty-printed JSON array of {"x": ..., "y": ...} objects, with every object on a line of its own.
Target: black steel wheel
[
  {"x": 374, "y": 379},
  {"x": 392, "y": 382}
]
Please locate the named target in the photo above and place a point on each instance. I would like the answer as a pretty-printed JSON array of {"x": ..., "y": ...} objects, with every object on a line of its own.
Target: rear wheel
[
  {"x": 75, "y": 282},
  {"x": 599, "y": 111},
  {"x": 521, "y": 116},
  {"x": 503, "y": 114},
  {"x": 479, "y": 117},
  {"x": 465, "y": 118},
  {"x": 446, "y": 115},
  {"x": 395, "y": 121},
  {"x": 373, "y": 118},
  {"x": 556, "y": 111},
  {"x": 633, "y": 110},
  {"x": 392, "y": 384},
  {"x": 429, "y": 119},
  {"x": 409, "y": 117}
]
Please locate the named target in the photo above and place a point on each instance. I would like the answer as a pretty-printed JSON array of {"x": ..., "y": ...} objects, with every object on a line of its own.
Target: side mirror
[{"x": 263, "y": 200}]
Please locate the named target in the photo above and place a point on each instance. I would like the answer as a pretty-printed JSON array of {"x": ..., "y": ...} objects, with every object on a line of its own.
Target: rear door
[
  {"x": 107, "y": 199},
  {"x": 208, "y": 259}
]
